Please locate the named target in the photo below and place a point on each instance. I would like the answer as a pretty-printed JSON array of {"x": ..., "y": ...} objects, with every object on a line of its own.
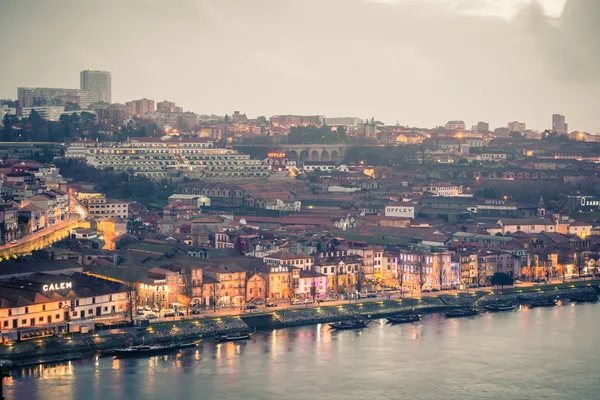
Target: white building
[
  {"x": 30, "y": 97},
  {"x": 456, "y": 125},
  {"x": 6, "y": 110},
  {"x": 350, "y": 122},
  {"x": 404, "y": 210},
  {"x": 559, "y": 125},
  {"x": 98, "y": 84},
  {"x": 46, "y": 303},
  {"x": 512, "y": 225},
  {"x": 517, "y": 126},
  {"x": 157, "y": 157},
  {"x": 108, "y": 208},
  {"x": 49, "y": 113},
  {"x": 495, "y": 157},
  {"x": 443, "y": 190}
]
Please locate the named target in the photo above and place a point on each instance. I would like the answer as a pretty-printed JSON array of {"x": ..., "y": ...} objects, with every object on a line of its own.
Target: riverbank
[{"x": 61, "y": 349}]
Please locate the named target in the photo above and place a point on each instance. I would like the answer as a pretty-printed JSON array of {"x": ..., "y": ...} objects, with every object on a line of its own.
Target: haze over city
[{"x": 418, "y": 63}]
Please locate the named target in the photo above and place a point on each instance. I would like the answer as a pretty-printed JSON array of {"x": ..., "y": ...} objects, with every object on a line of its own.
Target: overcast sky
[{"x": 416, "y": 62}]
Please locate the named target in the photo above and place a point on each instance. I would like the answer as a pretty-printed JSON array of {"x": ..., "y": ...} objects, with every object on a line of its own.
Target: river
[{"x": 523, "y": 354}]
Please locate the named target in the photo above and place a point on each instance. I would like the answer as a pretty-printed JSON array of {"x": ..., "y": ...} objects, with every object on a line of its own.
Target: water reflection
[{"x": 368, "y": 363}]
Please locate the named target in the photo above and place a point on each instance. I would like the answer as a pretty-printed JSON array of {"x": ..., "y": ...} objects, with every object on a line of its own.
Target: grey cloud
[{"x": 414, "y": 61}]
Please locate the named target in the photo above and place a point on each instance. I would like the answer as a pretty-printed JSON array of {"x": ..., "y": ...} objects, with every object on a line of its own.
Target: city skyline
[{"x": 302, "y": 65}]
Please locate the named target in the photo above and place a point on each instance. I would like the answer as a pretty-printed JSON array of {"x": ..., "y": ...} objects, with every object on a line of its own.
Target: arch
[
  {"x": 335, "y": 156},
  {"x": 314, "y": 156},
  {"x": 325, "y": 155},
  {"x": 292, "y": 155},
  {"x": 304, "y": 155}
]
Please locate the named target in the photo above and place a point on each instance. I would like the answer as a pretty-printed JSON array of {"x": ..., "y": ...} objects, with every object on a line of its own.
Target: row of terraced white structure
[{"x": 159, "y": 157}]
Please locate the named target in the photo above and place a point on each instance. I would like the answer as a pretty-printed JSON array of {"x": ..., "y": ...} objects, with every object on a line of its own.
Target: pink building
[{"x": 307, "y": 280}]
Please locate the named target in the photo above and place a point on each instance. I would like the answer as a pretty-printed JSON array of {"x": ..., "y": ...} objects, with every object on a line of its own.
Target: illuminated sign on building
[
  {"x": 57, "y": 286},
  {"x": 586, "y": 202},
  {"x": 280, "y": 268},
  {"x": 277, "y": 155},
  {"x": 495, "y": 202}
]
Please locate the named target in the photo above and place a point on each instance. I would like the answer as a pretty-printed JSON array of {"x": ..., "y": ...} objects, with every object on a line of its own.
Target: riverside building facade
[{"x": 158, "y": 158}]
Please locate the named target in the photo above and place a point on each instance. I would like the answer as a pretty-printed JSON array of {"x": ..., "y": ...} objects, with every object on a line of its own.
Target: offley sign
[
  {"x": 495, "y": 202},
  {"x": 277, "y": 155},
  {"x": 57, "y": 286}
]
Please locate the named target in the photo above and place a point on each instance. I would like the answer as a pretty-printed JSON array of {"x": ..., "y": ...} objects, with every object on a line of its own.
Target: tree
[
  {"x": 227, "y": 119},
  {"x": 313, "y": 289},
  {"x": 502, "y": 279},
  {"x": 422, "y": 271},
  {"x": 401, "y": 280},
  {"x": 441, "y": 275},
  {"x": 262, "y": 120},
  {"x": 130, "y": 279},
  {"x": 10, "y": 120},
  {"x": 186, "y": 294},
  {"x": 182, "y": 124},
  {"x": 70, "y": 106},
  {"x": 359, "y": 278}
]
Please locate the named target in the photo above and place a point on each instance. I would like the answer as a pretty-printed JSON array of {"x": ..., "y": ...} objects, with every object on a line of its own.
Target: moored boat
[
  {"x": 355, "y": 323},
  {"x": 500, "y": 307},
  {"x": 143, "y": 350},
  {"x": 403, "y": 318},
  {"x": 232, "y": 337},
  {"x": 542, "y": 303},
  {"x": 461, "y": 312}
]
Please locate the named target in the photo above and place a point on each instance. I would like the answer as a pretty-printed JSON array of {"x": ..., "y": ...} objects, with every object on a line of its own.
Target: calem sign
[
  {"x": 57, "y": 286},
  {"x": 277, "y": 155}
]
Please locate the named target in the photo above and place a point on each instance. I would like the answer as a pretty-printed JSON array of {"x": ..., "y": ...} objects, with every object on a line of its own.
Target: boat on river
[
  {"x": 403, "y": 318},
  {"x": 461, "y": 312},
  {"x": 144, "y": 350},
  {"x": 232, "y": 337},
  {"x": 542, "y": 303},
  {"x": 500, "y": 307},
  {"x": 355, "y": 323}
]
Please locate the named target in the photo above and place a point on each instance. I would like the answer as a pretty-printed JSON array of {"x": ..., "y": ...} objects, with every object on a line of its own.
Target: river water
[{"x": 523, "y": 354}]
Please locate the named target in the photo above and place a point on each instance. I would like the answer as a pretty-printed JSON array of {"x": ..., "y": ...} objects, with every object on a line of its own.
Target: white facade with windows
[
  {"x": 157, "y": 157},
  {"x": 403, "y": 210}
]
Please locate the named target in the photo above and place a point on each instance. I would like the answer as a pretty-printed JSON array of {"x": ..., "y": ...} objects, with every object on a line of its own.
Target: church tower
[{"x": 541, "y": 211}]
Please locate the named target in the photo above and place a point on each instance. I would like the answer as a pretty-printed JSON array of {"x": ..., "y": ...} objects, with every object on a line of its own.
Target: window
[
  {"x": 9, "y": 313},
  {"x": 90, "y": 311},
  {"x": 74, "y": 313},
  {"x": 44, "y": 307},
  {"x": 41, "y": 319},
  {"x": 105, "y": 308},
  {"x": 23, "y": 322},
  {"x": 26, "y": 310},
  {"x": 5, "y": 324},
  {"x": 93, "y": 300},
  {"x": 57, "y": 316}
]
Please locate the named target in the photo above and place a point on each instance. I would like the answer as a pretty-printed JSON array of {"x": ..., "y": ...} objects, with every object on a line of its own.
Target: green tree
[
  {"x": 501, "y": 279},
  {"x": 182, "y": 124},
  {"x": 262, "y": 120}
]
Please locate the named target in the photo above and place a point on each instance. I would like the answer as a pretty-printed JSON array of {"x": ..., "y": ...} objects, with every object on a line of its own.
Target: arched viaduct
[{"x": 315, "y": 152}]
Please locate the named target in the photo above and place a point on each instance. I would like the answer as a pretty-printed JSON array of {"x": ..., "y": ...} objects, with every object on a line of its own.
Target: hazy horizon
[{"x": 418, "y": 63}]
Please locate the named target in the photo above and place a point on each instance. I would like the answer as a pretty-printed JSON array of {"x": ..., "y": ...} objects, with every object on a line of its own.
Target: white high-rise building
[
  {"x": 98, "y": 84},
  {"x": 559, "y": 125},
  {"x": 517, "y": 126}
]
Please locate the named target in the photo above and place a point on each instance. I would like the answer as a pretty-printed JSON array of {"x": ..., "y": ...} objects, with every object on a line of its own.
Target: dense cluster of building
[{"x": 34, "y": 197}]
